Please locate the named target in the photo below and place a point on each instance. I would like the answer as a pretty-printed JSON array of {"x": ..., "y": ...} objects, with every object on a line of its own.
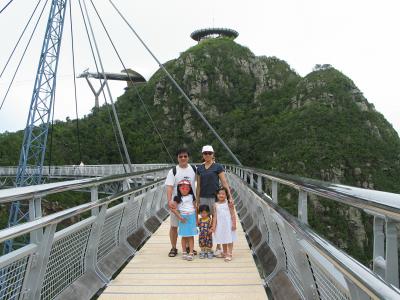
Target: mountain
[{"x": 318, "y": 126}]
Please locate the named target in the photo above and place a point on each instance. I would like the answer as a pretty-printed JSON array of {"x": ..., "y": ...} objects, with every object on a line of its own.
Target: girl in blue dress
[{"x": 187, "y": 216}]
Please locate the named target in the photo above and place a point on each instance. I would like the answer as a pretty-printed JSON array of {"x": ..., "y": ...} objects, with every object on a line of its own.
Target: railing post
[
  {"x": 259, "y": 183},
  {"x": 35, "y": 212},
  {"x": 94, "y": 196},
  {"x": 392, "y": 265},
  {"x": 302, "y": 207},
  {"x": 251, "y": 174},
  {"x": 93, "y": 243},
  {"x": 379, "y": 247},
  {"x": 39, "y": 264},
  {"x": 275, "y": 192}
]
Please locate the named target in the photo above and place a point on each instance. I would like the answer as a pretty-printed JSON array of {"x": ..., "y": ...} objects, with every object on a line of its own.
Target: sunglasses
[
  {"x": 184, "y": 186},
  {"x": 208, "y": 153},
  {"x": 182, "y": 156}
]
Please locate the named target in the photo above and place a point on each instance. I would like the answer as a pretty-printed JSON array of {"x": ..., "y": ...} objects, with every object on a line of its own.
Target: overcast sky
[{"x": 359, "y": 38}]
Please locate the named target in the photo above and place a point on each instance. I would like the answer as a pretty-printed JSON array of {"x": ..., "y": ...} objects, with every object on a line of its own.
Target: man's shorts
[
  {"x": 209, "y": 201},
  {"x": 173, "y": 220}
]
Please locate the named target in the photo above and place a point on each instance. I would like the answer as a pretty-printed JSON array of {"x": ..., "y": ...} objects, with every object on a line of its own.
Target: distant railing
[
  {"x": 316, "y": 267},
  {"x": 79, "y": 260},
  {"x": 83, "y": 170}
]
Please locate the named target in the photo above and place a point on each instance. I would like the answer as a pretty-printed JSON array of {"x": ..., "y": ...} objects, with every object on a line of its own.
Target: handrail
[
  {"x": 364, "y": 278},
  {"x": 372, "y": 201},
  {"x": 18, "y": 230},
  {"x": 37, "y": 191}
]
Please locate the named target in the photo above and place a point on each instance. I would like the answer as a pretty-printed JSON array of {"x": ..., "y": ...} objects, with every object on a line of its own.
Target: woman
[{"x": 209, "y": 176}]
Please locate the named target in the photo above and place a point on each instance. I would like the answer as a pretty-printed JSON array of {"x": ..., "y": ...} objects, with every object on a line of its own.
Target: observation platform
[{"x": 151, "y": 274}]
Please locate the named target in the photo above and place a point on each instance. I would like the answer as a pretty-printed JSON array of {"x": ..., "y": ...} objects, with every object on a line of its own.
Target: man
[{"x": 180, "y": 172}]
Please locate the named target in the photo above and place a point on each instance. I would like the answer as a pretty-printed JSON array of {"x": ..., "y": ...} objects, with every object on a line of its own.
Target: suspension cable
[
  {"x": 178, "y": 87},
  {"x": 131, "y": 80},
  {"x": 73, "y": 71},
  {"x": 23, "y": 55},
  {"x": 109, "y": 92},
  {"x": 101, "y": 82},
  {"x": 5, "y": 6},
  {"x": 20, "y": 37}
]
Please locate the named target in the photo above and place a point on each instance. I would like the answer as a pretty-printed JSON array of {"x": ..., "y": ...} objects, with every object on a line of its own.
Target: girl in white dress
[{"x": 224, "y": 224}]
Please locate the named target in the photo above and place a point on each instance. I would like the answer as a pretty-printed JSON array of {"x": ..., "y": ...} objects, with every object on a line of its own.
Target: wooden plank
[{"x": 151, "y": 274}]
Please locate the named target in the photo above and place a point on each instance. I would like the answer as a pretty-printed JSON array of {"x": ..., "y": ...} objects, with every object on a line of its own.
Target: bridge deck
[{"x": 151, "y": 274}]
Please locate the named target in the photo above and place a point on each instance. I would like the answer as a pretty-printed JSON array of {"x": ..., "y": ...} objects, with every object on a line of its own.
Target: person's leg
[
  {"x": 183, "y": 243},
  {"x": 230, "y": 249},
  {"x": 173, "y": 230},
  {"x": 191, "y": 244},
  {"x": 225, "y": 249},
  {"x": 173, "y": 236}
]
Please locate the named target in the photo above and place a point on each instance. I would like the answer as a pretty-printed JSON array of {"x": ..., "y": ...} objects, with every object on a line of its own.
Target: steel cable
[
  {"x": 100, "y": 80},
  {"x": 23, "y": 55},
  {"x": 19, "y": 39},
  {"x": 131, "y": 80},
  {"x": 73, "y": 71},
  {"x": 178, "y": 87}
]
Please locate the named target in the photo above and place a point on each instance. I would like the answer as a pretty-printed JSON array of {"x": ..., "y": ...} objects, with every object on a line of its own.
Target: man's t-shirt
[
  {"x": 209, "y": 179},
  {"x": 181, "y": 174}
]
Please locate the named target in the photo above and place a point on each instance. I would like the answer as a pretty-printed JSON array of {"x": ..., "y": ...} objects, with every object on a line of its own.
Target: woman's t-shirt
[
  {"x": 209, "y": 179},
  {"x": 186, "y": 206}
]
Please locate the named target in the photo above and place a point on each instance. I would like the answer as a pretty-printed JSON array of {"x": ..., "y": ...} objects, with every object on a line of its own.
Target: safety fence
[
  {"x": 82, "y": 170},
  {"x": 298, "y": 263},
  {"x": 77, "y": 261}
]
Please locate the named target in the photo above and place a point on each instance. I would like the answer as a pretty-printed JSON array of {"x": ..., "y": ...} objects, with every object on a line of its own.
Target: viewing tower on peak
[{"x": 206, "y": 33}]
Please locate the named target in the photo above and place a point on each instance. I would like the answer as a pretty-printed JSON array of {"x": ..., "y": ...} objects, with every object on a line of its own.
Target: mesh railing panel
[
  {"x": 133, "y": 216},
  {"x": 66, "y": 262},
  {"x": 12, "y": 278},
  {"x": 328, "y": 288},
  {"x": 109, "y": 234}
]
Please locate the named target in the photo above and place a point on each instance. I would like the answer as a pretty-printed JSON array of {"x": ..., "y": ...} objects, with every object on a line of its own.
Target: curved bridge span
[{"x": 77, "y": 252}]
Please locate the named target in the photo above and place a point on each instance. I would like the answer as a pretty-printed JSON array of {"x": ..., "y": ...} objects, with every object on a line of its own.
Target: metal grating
[
  {"x": 109, "y": 234},
  {"x": 133, "y": 216},
  {"x": 66, "y": 262},
  {"x": 12, "y": 278},
  {"x": 290, "y": 261},
  {"x": 327, "y": 286}
]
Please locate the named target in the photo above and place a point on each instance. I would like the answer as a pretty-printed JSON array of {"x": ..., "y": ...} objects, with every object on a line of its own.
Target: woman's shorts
[
  {"x": 208, "y": 201},
  {"x": 189, "y": 227}
]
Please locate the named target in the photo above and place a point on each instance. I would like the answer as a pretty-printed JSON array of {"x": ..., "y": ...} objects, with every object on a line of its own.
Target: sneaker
[
  {"x": 210, "y": 255},
  {"x": 202, "y": 255},
  {"x": 217, "y": 252}
]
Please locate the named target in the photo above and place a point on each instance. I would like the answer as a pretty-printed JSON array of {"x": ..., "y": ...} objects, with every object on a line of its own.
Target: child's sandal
[
  {"x": 228, "y": 258},
  {"x": 190, "y": 257},
  {"x": 220, "y": 255}
]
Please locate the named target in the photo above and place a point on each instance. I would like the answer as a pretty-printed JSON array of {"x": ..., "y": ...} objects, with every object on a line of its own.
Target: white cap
[{"x": 207, "y": 148}]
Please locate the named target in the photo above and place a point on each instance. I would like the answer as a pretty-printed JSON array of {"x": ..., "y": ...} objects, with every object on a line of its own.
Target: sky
[{"x": 359, "y": 38}]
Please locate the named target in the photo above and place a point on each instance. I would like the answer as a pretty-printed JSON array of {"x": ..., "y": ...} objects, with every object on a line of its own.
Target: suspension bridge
[{"x": 113, "y": 245}]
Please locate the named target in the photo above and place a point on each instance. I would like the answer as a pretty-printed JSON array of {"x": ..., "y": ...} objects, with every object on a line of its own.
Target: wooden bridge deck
[{"x": 151, "y": 274}]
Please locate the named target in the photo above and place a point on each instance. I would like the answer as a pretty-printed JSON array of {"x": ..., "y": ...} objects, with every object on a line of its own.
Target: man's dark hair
[{"x": 182, "y": 150}]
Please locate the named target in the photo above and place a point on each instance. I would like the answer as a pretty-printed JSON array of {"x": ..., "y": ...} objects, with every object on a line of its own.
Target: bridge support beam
[
  {"x": 392, "y": 263},
  {"x": 302, "y": 207}
]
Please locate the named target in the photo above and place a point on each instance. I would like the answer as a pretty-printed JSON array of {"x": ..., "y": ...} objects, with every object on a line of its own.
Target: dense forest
[{"x": 318, "y": 126}]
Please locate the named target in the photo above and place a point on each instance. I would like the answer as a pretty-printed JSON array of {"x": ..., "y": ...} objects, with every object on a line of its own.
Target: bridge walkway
[{"x": 151, "y": 274}]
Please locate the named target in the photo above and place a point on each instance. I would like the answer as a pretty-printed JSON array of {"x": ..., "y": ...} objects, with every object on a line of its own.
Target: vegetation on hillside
[{"x": 319, "y": 126}]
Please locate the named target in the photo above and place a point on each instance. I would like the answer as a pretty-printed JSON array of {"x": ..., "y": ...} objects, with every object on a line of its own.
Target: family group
[{"x": 201, "y": 204}]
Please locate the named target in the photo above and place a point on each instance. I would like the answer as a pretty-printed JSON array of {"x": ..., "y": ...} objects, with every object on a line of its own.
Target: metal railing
[
  {"x": 83, "y": 171},
  {"x": 80, "y": 259},
  {"x": 316, "y": 268}
]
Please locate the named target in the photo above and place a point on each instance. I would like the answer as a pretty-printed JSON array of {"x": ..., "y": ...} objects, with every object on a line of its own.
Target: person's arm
[
  {"x": 214, "y": 219},
  {"x": 225, "y": 184},
  {"x": 233, "y": 217},
  {"x": 197, "y": 191},
  {"x": 178, "y": 215},
  {"x": 171, "y": 203}
]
